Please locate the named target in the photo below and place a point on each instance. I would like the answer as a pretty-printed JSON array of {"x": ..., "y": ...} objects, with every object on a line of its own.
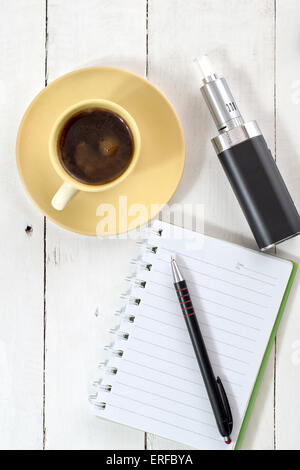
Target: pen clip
[{"x": 225, "y": 404}]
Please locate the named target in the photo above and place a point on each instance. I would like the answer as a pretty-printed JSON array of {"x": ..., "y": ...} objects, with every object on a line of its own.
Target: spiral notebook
[{"x": 151, "y": 380}]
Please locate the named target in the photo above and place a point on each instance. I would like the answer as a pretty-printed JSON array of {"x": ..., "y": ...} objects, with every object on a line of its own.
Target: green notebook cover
[{"x": 265, "y": 359}]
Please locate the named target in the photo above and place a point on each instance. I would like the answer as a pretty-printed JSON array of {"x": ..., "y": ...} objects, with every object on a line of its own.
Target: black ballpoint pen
[{"x": 214, "y": 386}]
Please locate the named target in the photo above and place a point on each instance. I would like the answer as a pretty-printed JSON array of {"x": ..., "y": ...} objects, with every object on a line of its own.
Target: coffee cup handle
[{"x": 63, "y": 196}]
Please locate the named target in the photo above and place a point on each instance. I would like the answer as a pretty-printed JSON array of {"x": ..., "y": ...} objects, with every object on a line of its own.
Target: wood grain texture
[
  {"x": 84, "y": 275},
  {"x": 239, "y": 37},
  {"x": 287, "y": 425},
  {"x": 22, "y": 37}
]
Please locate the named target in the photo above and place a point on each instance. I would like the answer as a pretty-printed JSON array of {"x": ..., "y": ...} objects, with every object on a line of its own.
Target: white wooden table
[{"x": 59, "y": 290}]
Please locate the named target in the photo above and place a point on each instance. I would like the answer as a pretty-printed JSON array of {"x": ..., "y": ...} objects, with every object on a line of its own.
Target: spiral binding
[
  {"x": 101, "y": 404},
  {"x": 114, "y": 351},
  {"x": 108, "y": 370},
  {"x": 128, "y": 318},
  {"x": 158, "y": 232},
  {"x": 121, "y": 334},
  {"x": 132, "y": 300},
  {"x": 142, "y": 265},
  {"x": 136, "y": 282},
  {"x": 105, "y": 388}
]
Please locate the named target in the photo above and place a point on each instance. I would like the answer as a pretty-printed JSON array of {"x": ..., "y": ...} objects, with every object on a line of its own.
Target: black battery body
[{"x": 261, "y": 191}]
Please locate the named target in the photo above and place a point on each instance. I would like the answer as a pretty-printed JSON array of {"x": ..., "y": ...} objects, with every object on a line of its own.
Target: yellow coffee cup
[{"x": 71, "y": 186}]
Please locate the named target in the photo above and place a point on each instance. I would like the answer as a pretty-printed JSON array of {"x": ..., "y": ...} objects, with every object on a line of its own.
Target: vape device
[{"x": 249, "y": 165}]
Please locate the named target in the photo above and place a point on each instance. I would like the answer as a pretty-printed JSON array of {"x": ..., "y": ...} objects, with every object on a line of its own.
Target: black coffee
[{"x": 95, "y": 146}]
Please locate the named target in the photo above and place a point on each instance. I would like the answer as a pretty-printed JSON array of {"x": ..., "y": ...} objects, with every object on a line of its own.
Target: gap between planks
[
  {"x": 275, "y": 251},
  {"x": 147, "y": 74}
]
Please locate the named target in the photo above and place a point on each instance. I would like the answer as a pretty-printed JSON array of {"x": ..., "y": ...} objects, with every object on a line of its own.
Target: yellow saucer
[{"x": 154, "y": 179}]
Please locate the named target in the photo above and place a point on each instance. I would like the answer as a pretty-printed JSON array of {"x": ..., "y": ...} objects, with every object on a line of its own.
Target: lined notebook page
[{"x": 158, "y": 388}]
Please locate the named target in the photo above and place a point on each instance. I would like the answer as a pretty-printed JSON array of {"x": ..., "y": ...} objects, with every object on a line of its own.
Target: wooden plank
[
  {"x": 239, "y": 36},
  {"x": 84, "y": 275},
  {"x": 22, "y": 39},
  {"x": 288, "y": 160}
]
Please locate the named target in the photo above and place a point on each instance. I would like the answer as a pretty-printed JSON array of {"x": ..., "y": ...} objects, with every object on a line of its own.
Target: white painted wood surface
[
  {"x": 255, "y": 45},
  {"x": 21, "y": 285}
]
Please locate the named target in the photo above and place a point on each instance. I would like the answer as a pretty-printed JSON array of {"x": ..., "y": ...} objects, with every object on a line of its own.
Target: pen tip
[
  {"x": 172, "y": 259},
  {"x": 227, "y": 440}
]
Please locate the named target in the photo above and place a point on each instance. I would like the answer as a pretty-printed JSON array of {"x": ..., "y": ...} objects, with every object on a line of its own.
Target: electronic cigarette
[{"x": 249, "y": 165}]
